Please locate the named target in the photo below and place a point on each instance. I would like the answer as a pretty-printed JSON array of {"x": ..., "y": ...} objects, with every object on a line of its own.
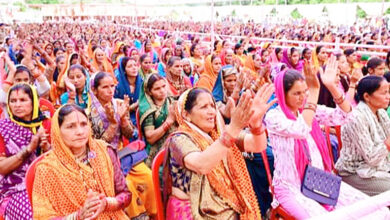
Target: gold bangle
[{"x": 112, "y": 203}]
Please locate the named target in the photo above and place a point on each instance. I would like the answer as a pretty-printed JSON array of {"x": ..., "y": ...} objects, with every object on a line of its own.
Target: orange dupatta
[
  {"x": 208, "y": 77},
  {"x": 61, "y": 184},
  {"x": 107, "y": 67},
  {"x": 230, "y": 180}
]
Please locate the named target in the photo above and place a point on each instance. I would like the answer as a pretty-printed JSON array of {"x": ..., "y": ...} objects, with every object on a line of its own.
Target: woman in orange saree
[{"x": 212, "y": 66}]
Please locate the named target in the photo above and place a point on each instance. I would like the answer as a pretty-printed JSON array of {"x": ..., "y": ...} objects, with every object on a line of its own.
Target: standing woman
[
  {"x": 177, "y": 82},
  {"x": 212, "y": 67},
  {"x": 157, "y": 116},
  {"x": 17, "y": 152},
  {"x": 129, "y": 84},
  {"x": 81, "y": 177}
]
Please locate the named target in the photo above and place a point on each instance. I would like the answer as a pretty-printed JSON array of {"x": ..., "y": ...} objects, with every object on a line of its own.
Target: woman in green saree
[{"x": 157, "y": 115}]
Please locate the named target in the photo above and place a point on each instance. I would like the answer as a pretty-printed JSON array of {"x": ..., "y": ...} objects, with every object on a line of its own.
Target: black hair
[
  {"x": 59, "y": 58},
  {"x": 23, "y": 87},
  {"x": 55, "y": 51},
  {"x": 98, "y": 77},
  {"x": 153, "y": 78},
  {"x": 20, "y": 69},
  {"x": 172, "y": 61},
  {"x": 289, "y": 79},
  {"x": 73, "y": 56},
  {"x": 66, "y": 110},
  {"x": 372, "y": 64},
  {"x": 236, "y": 47},
  {"x": 349, "y": 52},
  {"x": 304, "y": 51},
  {"x": 124, "y": 62},
  {"x": 318, "y": 49},
  {"x": 79, "y": 67},
  {"x": 278, "y": 50},
  {"x": 192, "y": 49},
  {"x": 369, "y": 85},
  {"x": 143, "y": 57},
  {"x": 387, "y": 59},
  {"x": 213, "y": 57},
  {"x": 387, "y": 76},
  {"x": 191, "y": 98}
]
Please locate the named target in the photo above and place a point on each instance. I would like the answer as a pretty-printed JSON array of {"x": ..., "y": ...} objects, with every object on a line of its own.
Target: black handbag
[{"x": 319, "y": 185}]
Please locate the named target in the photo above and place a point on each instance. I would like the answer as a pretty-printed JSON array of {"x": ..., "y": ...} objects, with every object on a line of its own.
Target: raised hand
[
  {"x": 310, "y": 73},
  {"x": 43, "y": 137},
  {"x": 171, "y": 113},
  {"x": 124, "y": 107},
  {"x": 356, "y": 75},
  {"x": 243, "y": 112},
  {"x": 329, "y": 77},
  {"x": 110, "y": 113},
  {"x": 260, "y": 104}
]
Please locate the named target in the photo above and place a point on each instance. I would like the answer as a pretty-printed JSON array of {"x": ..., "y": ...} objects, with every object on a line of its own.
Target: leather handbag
[
  {"x": 319, "y": 185},
  {"x": 131, "y": 155}
]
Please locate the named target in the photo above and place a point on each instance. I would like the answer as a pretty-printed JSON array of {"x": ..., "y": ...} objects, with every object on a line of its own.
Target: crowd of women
[{"x": 96, "y": 104}]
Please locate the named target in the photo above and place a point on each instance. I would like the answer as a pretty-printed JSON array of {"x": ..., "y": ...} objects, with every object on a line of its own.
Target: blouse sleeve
[
  {"x": 356, "y": 133},
  {"x": 148, "y": 123},
  {"x": 180, "y": 146},
  {"x": 123, "y": 195},
  {"x": 330, "y": 116},
  {"x": 277, "y": 123}
]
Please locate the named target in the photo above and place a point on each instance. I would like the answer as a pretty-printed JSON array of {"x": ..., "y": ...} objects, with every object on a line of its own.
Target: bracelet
[
  {"x": 8, "y": 83},
  {"x": 112, "y": 203},
  {"x": 166, "y": 126},
  {"x": 227, "y": 140},
  {"x": 310, "y": 106},
  {"x": 339, "y": 100},
  {"x": 352, "y": 87},
  {"x": 24, "y": 154},
  {"x": 257, "y": 131}
]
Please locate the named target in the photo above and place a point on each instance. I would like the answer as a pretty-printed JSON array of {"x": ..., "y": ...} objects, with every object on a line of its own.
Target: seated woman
[
  {"x": 291, "y": 130},
  {"x": 291, "y": 59},
  {"x": 166, "y": 53},
  {"x": 375, "y": 66},
  {"x": 212, "y": 66},
  {"x": 364, "y": 159},
  {"x": 157, "y": 116},
  {"x": 77, "y": 82},
  {"x": 18, "y": 151},
  {"x": 146, "y": 66},
  {"x": 177, "y": 82},
  {"x": 129, "y": 83},
  {"x": 110, "y": 122},
  {"x": 208, "y": 178},
  {"x": 100, "y": 62},
  {"x": 188, "y": 70},
  {"x": 81, "y": 177}
]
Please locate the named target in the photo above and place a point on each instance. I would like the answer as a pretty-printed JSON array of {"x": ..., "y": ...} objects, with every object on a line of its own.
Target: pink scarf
[{"x": 300, "y": 158}]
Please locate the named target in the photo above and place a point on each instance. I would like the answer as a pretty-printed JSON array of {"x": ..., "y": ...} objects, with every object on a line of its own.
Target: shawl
[
  {"x": 208, "y": 77},
  {"x": 61, "y": 184},
  {"x": 84, "y": 95},
  {"x": 219, "y": 90},
  {"x": 300, "y": 158},
  {"x": 58, "y": 88},
  {"x": 230, "y": 178},
  {"x": 286, "y": 60}
]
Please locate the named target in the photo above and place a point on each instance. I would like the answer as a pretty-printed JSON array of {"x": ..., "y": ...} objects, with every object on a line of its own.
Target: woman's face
[
  {"x": 240, "y": 50},
  {"x": 178, "y": 51},
  {"x": 146, "y": 64},
  {"x": 20, "y": 105},
  {"x": 197, "y": 51},
  {"x": 22, "y": 77},
  {"x": 307, "y": 55},
  {"x": 294, "y": 58},
  {"x": 168, "y": 55},
  {"x": 57, "y": 44},
  {"x": 77, "y": 78},
  {"x": 159, "y": 90},
  {"x": 229, "y": 57},
  {"x": 131, "y": 68},
  {"x": 60, "y": 53},
  {"x": 322, "y": 55},
  {"x": 379, "y": 70},
  {"x": 105, "y": 90},
  {"x": 380, "y": 98},
  {"x": 103, "y": 43},
  {"x": 280, "y": 55},
  {"x": 69, "y": 48},
  {"x": 99, "y": 56},
  {"x": 61, "y": 64},
  {"x": 176, "y": 69},
  {"x": 230, "y": 83},
  {"x": 186, "y": 67},
  {"x": 203, "y": 114},
  {"x": 265, "y": 56},
  {"x": 134, "y": 54},
  {"x": 257, "y": 61},
  {"x": 296, "y": 96},
  {"x": 343, "y": 65},
  {"x": 49, "y": 49},
  {"x": 75, "y": 131},
  {"x": 148, "y": 47},
  {"x": 352, "y": 58},
  {"x": 217, "y": 65}
]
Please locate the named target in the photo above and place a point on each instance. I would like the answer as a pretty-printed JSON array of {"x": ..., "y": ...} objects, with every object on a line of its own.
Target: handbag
[
  {"x": 319, "y": 185},
  {"x": 131, "y": 155}
]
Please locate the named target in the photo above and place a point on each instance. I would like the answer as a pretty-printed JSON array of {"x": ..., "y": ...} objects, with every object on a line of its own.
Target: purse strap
[{"x": 306, "y": 150}]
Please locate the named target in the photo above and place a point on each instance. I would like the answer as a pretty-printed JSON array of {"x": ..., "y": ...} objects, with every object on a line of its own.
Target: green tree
[
  {"x": 295, "y": 14},
  {"x": 360, "y": 13}
]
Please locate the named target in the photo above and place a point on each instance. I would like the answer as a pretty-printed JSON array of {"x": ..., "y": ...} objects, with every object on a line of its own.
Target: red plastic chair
[
  {"x": 46, "y": 105},
  {"x": 30, "y": 176},
  {"x": 138, "y": 124},
  {"x": 338, "y": 134},
  {"x": 158, "y": 160},
  {"x": 278, "y": 212}
]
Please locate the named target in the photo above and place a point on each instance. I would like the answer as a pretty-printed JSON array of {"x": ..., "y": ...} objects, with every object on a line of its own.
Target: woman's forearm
[
  {"x": 9, "y": 164},
  {"x": 345, "y": 105},
  {"x": 152, "y": 136}
]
